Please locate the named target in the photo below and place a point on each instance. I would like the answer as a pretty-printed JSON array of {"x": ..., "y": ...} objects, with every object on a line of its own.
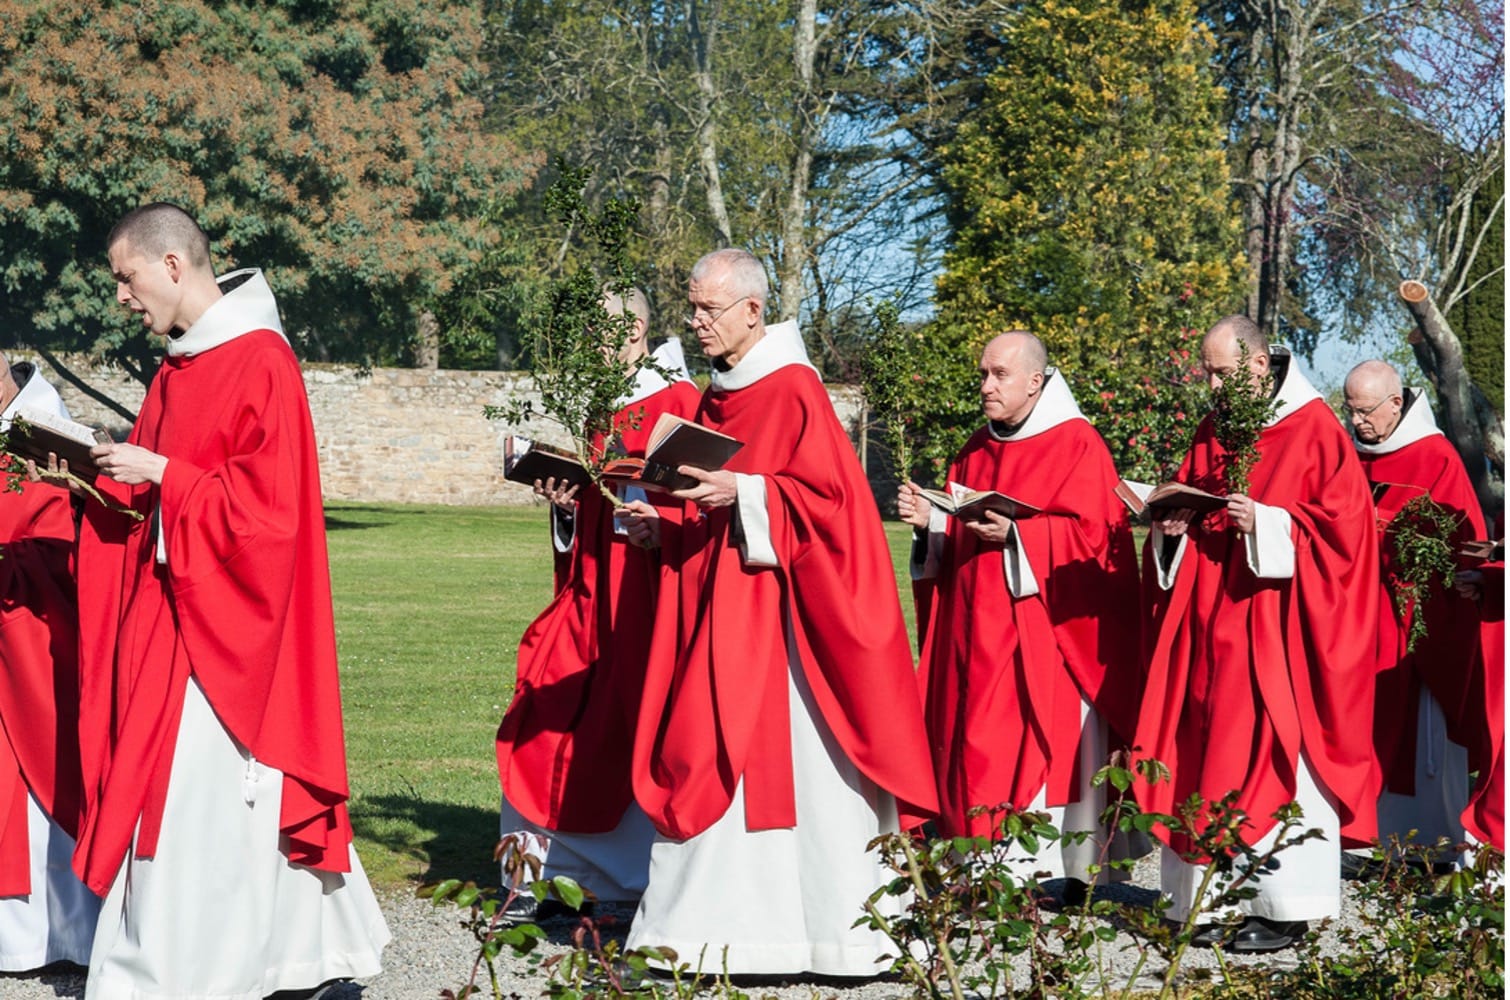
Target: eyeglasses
[
  {"x": 1353, "y": 413},
  {"x": 712, "y": 314}
]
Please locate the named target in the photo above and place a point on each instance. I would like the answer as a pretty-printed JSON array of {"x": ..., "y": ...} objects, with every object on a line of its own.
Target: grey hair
[{"x": 743, "y": 273}]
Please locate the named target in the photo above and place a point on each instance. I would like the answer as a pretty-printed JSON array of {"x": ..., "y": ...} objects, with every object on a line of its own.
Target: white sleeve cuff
[
  {"x": 1166, "y": 574},
  {"x": 754, "y": 521},
  {"x": 563, "y": 531},
  {"x": 1271, "y": 550},
  {"x": 933, "y": 547},
  {"x": 1020, "y": 579},
  {"x": 162, "y": 538}
]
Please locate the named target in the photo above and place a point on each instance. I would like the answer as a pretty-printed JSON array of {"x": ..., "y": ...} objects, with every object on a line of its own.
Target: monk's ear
[
  {"x": 1035, "y": 383},
  {"x": 174, "y": 265}
]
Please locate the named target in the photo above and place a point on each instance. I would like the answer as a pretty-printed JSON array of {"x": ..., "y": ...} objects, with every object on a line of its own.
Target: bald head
[
  {"x": 1011, "y": 376},
  {"x": 1230, "y": 342},
  {"x": 159, "y": 229},
  {"x": 1373, "y": 401},
  {"x": 633, "y": 303}
]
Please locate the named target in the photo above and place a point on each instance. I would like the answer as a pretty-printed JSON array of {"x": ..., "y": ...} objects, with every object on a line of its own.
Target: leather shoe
[
  {"x": 1258, "y": 935},
  {"x": 1210, "y": 935}
]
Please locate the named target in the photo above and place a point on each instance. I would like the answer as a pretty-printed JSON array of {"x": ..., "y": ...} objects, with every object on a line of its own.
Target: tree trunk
[
  {"x": 1480, "y": 441},
  {"x": 427, "y": 341},
  {"x": 704, "y": 39},
  {"x": 805, "y": 126}
]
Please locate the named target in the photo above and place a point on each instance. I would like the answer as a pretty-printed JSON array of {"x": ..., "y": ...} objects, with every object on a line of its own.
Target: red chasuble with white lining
[
  {"x": 1003, "y": 676},
  {"x": 1246, "y": 672},
  {"x": 1448, "y": 661},
  {"x": 564, "y": 746},
  {"x": 242, "y": 601},
  {"x": 716, "y": 709}
]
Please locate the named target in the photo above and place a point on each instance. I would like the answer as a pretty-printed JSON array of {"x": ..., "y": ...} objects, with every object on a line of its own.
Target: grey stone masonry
[{"x": 398, "y": 435}]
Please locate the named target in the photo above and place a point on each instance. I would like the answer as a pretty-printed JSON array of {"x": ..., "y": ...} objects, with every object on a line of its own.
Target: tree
[
  {"x": 1418, "y": 202},
  {"x": 733, "y": 122},
  {"x": 336, "y": 143},
  {"x": 1089, "y": 201}
]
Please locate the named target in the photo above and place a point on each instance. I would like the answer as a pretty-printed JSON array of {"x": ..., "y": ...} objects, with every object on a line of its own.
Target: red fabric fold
[
  {"x": 1448, "y": 662},
  {"x": 1244, "y": 673},
  {"x": 39, "y": 665},
  {"x": 564, "y": 745},
  {"x": 243, "y": 605},
  {"x": 720, "y": 652},
  {"x": 1003, "y": 677}
]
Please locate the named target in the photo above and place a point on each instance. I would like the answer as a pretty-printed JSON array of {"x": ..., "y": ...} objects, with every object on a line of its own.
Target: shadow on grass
[{"x": 442, "y": 839}]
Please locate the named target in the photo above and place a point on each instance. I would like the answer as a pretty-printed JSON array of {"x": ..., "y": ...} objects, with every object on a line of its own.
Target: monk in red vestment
[
  {"x": 781, "y": 722},
  {"x": 46, "y": 913},
  {"x": 1257, "y": 681},
  {"x": 565, "y": 744},
  {"x": 1033, "y": 643},
  {"x": 212, "y": 748},
  {"x": 1429, "y": 705}
]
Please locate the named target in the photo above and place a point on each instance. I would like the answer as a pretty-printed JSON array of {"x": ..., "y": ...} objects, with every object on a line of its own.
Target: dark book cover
[
  {"x": 526, "y": 461},
  {"x": 675, "y": 441},
  {"x": 33, "y": 440},
  {"x": 1177, "y": 496}
]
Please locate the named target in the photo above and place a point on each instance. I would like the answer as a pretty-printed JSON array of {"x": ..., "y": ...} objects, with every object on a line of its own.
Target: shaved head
[
  {"x": 1238, "y": 329},
  {"x": 1376, "y": 377},
  {"x": 1032, "y": 356},
  {"x": 159, "y": 229},
  {"x": 1373, "y": 400}
]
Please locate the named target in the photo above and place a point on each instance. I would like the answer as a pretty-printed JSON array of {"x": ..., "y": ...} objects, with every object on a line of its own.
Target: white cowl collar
[
  {"x": 1416, "y": 422},
  {"x": 781, "y": 346},
  {"x": 247, "y": 305},
  {"x": 1056, "y": 405},
  {"x": 648, "y": 381}
]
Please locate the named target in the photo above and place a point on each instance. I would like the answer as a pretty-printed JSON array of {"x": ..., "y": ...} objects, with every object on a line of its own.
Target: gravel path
[{"x": 431, "y": 951}]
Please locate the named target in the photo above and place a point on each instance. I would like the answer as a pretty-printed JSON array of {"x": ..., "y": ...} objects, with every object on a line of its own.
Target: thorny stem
[{"x": 938, "y": 936}]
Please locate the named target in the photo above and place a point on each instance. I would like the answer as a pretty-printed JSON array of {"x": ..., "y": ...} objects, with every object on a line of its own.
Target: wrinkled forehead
[{"x": 1219, "y": 351}]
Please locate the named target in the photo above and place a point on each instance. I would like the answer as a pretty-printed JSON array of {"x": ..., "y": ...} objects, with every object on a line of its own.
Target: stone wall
[{"x": 396, "y": 435}]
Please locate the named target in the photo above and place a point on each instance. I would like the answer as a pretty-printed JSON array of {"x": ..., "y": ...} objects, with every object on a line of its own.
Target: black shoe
[
  {"x": 1258, "y": 935},
  {"x": 1360, "y": 867},
  {"x": 1210, "y": 935},
  {"x": 526, "y": 909}
]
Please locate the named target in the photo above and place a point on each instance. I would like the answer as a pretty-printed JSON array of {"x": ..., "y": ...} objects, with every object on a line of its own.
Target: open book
[
  {"x": 1483, "y": 550},
  {"x": 1134, "y": 494},
  {"x": 525, "y": 461},
  {"x": 1178, "y": 496},
  {"x": 972, "y": 505},
  {"x": 33, "y": 433},
  {"x": 674, "y": 441}
]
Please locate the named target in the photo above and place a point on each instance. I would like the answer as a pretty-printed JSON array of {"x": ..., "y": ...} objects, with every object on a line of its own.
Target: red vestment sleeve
[{"x": 39, "y": 657}]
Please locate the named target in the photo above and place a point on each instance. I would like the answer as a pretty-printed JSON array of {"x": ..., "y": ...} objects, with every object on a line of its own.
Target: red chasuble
[
  {"x": 1448, "y": 661},
  {"x": 39, "y": 661},
  {"x": 243, "y": 605},
  {"x": 1002, "y": 676},
  {"x": 1485, "y": 815},
  {"x": 564, "y": 746},
  {"x": 1245, "y": 672},
  {"x": 715, "y": 708}
]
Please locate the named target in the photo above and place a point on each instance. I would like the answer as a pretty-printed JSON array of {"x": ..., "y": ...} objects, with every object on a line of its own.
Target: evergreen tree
[
  {"x": 336, "y": 143},
  {"x": 1479, "y": 318},
  {"x": 1090, "y": 204}
]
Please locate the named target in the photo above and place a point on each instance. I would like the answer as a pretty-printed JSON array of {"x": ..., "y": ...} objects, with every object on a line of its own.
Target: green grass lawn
[{"x": 430, "y": 603}]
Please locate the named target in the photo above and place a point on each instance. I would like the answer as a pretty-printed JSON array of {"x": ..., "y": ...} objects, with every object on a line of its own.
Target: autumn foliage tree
[
  {"x": 1089, "y": 202},
  {"x": 335, "y": 143}
]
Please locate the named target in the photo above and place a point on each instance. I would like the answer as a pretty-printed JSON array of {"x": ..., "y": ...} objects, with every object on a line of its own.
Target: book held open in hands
[
  {"x": 972, "y": 505},
  {"x": 33, "y": 433},
  {"x": 674, "y": 441},
  {"x": 525, "y": 461},
  {"x": 1171, "y": 496}
]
